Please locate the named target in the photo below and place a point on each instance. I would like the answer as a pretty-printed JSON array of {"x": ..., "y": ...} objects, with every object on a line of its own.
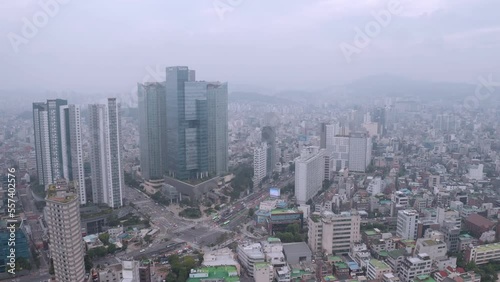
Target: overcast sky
[{"x": 108, "y": 45}]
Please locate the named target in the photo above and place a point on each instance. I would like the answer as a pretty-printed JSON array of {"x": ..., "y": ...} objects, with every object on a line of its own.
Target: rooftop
[
  {"x": 228, "y": 273},
  {"x": 260, "y": 265},
  {"x": 285, "y": 211},
  {"x": 424, "y": 278},
  {"x": 379, "y": 264},
  {"x": 488, "y": 247}
]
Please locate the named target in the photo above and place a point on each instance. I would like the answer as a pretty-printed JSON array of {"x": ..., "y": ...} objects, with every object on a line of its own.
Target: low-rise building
[
  {"x": 483, "y": 254},
  {"x": 249, "y": 255},
  {"x": 412, "y": 267},
  {"x": 214, "y": 273},
  {"x": 376, "y": 269},
  {"x": 263, "y": 272}
]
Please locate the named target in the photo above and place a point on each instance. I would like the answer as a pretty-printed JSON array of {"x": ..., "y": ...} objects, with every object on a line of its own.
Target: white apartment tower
[
  {"x": 309, "y": 173},
  {"x": 58, "y": 144},
  {"x": 334, "y": 233},
  {"x": 72, "y": 154},
  {"x": 259, "y": 163},
  {"x": 407, "y": 225},
  {"x": 62, "y": 214},
  {"x": 46, "y": 124},
  {"x": 360, "y": 152},
  {"x": 107, "y": 175}
]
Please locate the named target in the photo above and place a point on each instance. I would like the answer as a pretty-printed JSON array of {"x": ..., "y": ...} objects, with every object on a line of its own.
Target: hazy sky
[{"x": 108, "y": 45}]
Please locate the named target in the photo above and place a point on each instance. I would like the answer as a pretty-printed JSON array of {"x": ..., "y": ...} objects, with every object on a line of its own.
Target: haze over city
[
  {"x": 104, "y": 46},
  {"x": 250, "y": 141}
]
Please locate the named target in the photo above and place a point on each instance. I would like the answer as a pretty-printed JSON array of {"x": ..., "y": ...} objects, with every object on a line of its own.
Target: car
[{"x": 142, "y": 251}]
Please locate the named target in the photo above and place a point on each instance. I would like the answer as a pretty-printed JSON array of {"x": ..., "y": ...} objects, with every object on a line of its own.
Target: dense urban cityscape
[{"x": 247, "y": 153}]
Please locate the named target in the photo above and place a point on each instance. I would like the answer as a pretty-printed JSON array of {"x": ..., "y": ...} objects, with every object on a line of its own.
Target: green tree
[
  {"x": 251, "y": 212},
  {"x": 183, "y": 274},
  {"x": 104, "y": 237},
  {"x": 111, "y": 248},
  {"x": 147, "y": 238},
  {"x": 88, "y": 263}
]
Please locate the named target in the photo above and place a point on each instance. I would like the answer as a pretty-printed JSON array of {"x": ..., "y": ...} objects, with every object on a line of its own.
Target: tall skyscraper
[
  {"x": 218, "y": 146},
  {"x": 153, "y": 130},
  {"x": 269, "y": 137},
  {"x": 106, "y": 170},
  {"x": 259, "y": 163},
  {"x": 309, "y": 173},
  {"x": 62, "y": 214},
  {"x": 72, "y": 153},
  {"x": 196, "y": 126},
  {"x": 58, "y": 143},
  {"x": 48, "y": 147},
  {"x": 360, "y": 152}
]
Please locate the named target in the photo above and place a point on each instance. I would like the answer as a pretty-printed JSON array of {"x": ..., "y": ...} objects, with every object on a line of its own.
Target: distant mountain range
[{"x": 372, "y": 87}]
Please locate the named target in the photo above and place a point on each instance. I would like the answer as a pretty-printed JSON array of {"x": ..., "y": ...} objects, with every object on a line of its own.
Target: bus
[
  {"x": 215, "y": 218},
  {"x": 226, "y": 223}
]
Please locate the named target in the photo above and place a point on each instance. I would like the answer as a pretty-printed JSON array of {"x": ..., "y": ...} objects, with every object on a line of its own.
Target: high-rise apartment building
[
  {"x": 197, "y": 129},
  {"x": 106, "y": 170},
  {"x": 269, "y": 137},
  {"x": 71, "y": 149},
  {"x": 259, "y": 163},
  {"x": 152, "y": 130},
  {"x": 407, "y": 225},
  {"x": 334, "y": 233},
  {"x": 62, "y": 214},
  {"x": 309, "y": 173},
  {"x": 360, "y": 152},
  {"x": 58, "y": 143},
  {"x": 48, "y": 147},
  {"x": 340, "y": 152}
]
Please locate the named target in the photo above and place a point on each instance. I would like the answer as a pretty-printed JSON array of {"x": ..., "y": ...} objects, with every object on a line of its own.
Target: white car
[{"x": 142, "y": 251}]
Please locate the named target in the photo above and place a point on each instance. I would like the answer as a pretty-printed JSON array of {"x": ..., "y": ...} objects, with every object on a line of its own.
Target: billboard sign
[{"x": 274, "y": 192}]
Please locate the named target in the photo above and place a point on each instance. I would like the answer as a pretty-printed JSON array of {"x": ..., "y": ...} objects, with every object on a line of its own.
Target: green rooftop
[
  {"x": 424, "y": 278},
  {"x": 488, "y": 247},
  {"x": 315, "y": 218},
  {"x": 379, "y": 264},
  {"x": 397, "y": 253},
  {"x": 340, "y": 265},
  {"x": 260, "y": 265},
  {"x": 383, "y": 253},
  {"x": 273, "y": 240},
  {"x": 228, "y": 273},
  {"x": 334, "y": 258},
  {"x": 285, "y": 211},
  {"x": 370, "y": 232}
]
